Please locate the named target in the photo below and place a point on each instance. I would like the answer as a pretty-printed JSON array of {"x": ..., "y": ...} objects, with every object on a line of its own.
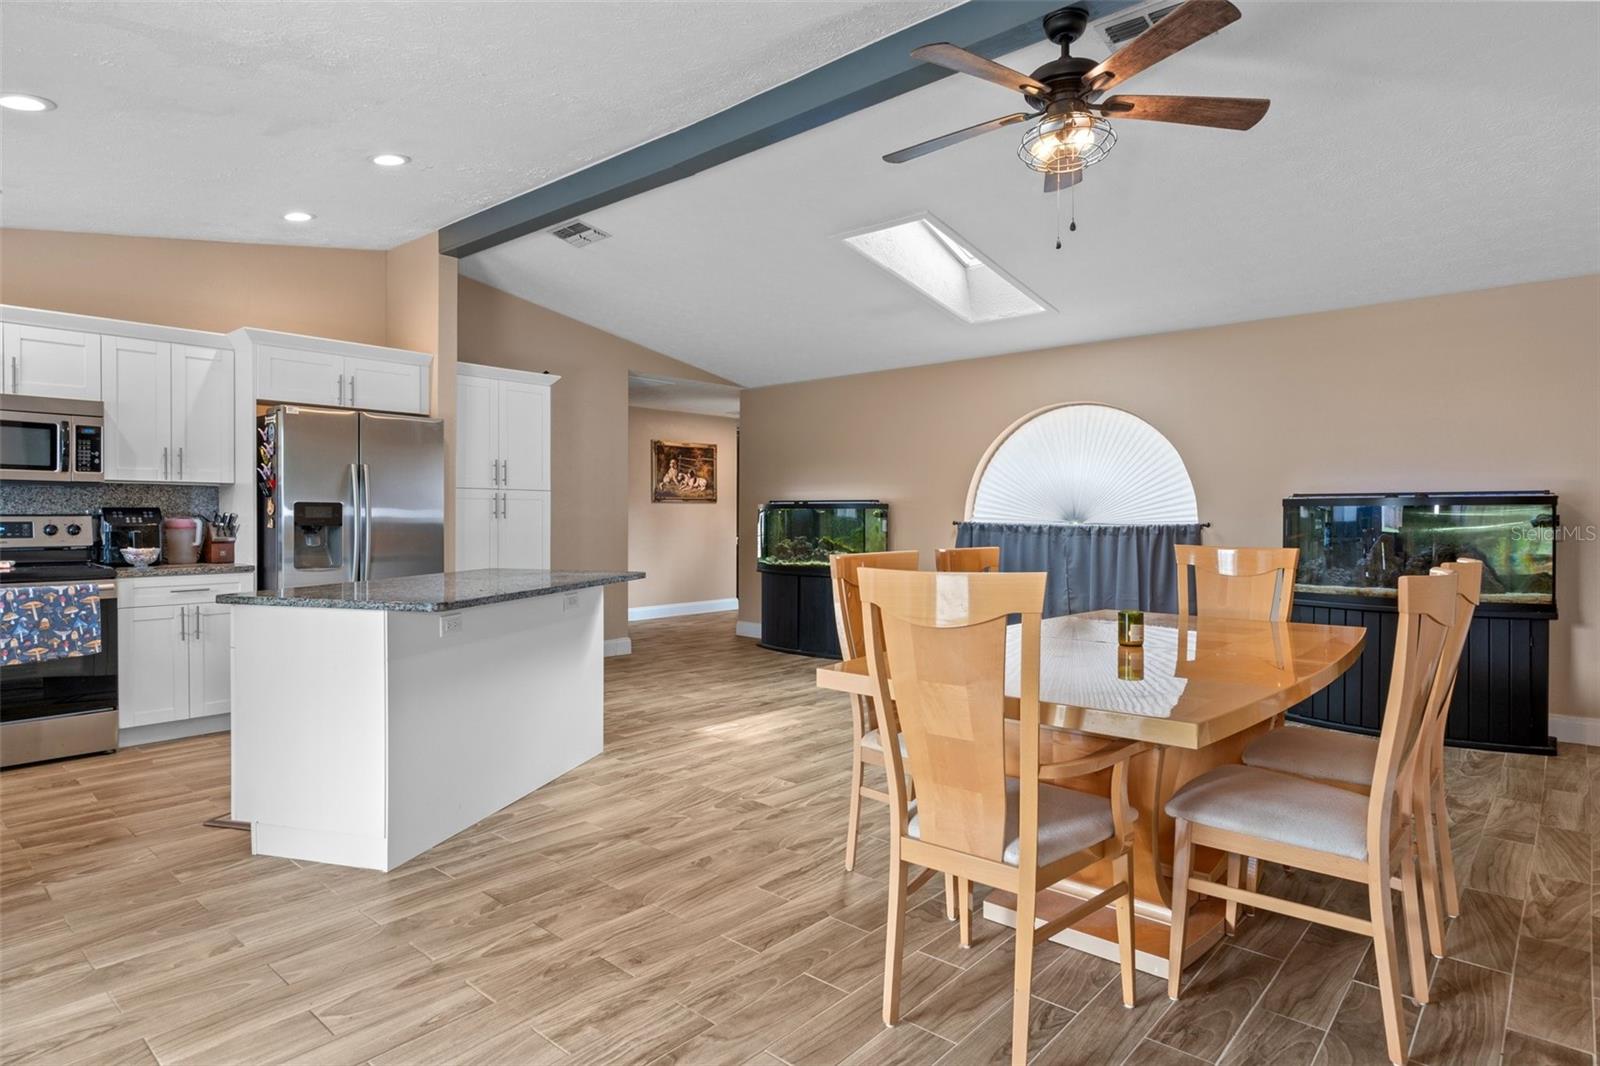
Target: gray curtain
[{"x": 1091, "y": 568}]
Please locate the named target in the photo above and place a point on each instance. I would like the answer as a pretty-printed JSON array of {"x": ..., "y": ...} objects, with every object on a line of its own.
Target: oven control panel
[{"x": 46, "y": 531}]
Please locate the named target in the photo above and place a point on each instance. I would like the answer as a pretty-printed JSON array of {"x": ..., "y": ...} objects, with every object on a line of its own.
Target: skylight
[{"x": 925, "y": 254}]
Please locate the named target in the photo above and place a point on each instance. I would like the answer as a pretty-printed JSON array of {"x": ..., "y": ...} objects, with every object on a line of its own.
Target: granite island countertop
[{"x": 435, "y": 592}]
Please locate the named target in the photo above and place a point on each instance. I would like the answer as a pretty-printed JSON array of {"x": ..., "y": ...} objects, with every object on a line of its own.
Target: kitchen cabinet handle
[
  {"x": 163, "y": 464},
  {"x": 174, "y": 592},
  {"x": 183, "y": 623},
  {"x": 352, "y": 390},
  {"x": 180, "y": 462},
  {"x": 14, "y": 374},
  {"x": 197, "y": 623},
  {"x": 505, "y": 472},
  {"x": 341, "y": 390}
]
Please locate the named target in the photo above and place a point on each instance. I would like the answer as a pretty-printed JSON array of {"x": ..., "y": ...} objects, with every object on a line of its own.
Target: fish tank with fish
[
  {"x": 797, "y": 536},
  {"x": 1354, "y": 548}
]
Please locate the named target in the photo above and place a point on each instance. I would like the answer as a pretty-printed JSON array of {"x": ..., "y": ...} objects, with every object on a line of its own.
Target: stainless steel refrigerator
[{"x": 349, "y": 496}]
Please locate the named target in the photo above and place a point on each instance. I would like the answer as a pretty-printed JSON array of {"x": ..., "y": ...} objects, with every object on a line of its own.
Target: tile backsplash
[{"x": 48, "y": 497}]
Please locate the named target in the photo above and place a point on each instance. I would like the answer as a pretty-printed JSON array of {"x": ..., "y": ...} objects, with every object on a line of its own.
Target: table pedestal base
[{"x": 1097, "y": 934}]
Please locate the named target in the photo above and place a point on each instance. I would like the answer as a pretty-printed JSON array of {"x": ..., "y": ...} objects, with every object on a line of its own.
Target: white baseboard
[
  {"x": 673, "y": 610},
  {"x": 619, "y": 646},
  {"x": 161, "y": 731},
  {"x": 1575, "y": 730},
  {"x": 747, "y": 629}
]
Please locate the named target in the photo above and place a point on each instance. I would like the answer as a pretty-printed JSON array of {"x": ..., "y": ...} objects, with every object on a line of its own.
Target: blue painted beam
[{"x": 870, "y": 75}]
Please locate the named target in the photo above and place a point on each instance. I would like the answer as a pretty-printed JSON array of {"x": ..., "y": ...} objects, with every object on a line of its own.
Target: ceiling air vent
[
  {"x": 580, "y": 234},
  {"x": 1118, "y": 29}
]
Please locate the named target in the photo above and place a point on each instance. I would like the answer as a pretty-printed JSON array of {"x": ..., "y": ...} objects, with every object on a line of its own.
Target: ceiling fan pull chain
[
  {"x": 1058, "y": 218},
  {"x": 1074, "y": 227}
]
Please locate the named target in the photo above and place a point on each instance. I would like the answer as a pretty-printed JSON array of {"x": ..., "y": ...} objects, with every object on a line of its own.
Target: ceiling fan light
[{"x": 1066, "y": 141}]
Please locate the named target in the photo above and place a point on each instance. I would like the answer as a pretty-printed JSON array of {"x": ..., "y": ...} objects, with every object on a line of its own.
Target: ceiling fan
[{"x": 1066, "y": 97}]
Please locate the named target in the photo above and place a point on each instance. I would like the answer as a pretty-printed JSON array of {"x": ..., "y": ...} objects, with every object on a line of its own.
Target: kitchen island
[{"x": 375, "y": 719}]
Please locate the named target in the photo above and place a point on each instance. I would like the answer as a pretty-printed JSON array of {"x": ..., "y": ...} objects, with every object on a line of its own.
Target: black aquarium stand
[
  {"x": 1502, "y": 697},
  {"x": 797, "y": 613}
]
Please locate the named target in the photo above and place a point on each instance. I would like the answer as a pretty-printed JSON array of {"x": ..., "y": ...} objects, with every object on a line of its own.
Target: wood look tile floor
[{"x": 682, "y": 899}]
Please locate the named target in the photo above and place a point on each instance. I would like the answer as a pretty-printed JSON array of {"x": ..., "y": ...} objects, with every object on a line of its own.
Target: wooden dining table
[{"x": 1197, "y": 691}]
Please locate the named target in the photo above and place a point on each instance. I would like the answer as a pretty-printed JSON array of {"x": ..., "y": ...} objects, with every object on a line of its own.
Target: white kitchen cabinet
[
  {"x": 329, "y": 373},
  {"x": 503, "y": 428},
  {"x": 136, "y": 382},
  {"x": 169, "y": 411},
  {"x": 505, "y": 529},
  {"x": 209, "y": 651},
  {"x": 477, "y": 432},
  {"x": 152, "y": 665},
  {"x": 524, "y": 534},
  {"x": 40, "y": 361},
  {"x": 293, "y": 375},
  {"x": 202, "y": 414},
  {"x": 174, "y": 647}
]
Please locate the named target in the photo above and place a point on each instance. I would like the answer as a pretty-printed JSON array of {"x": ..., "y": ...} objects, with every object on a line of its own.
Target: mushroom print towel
[{"x": 47, "y": 622}]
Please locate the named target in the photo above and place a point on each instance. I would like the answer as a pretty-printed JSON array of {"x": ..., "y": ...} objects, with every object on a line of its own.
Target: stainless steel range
[{"x": 54, "y": 707}]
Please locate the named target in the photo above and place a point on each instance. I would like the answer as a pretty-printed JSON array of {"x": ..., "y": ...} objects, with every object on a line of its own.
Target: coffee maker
[{"x": 127, "y": 527}]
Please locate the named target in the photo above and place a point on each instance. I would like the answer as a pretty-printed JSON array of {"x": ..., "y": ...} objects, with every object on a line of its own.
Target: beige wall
[
  {"x": 211, "y": 285},
  {"x": 1487, "y": 390},
  {"x": 686, "y": 548},
  {"x": 589, "y": 421}
]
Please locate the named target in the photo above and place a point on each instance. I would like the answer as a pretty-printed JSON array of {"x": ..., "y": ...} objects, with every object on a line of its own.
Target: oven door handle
[{"x": 64, "y": 448}]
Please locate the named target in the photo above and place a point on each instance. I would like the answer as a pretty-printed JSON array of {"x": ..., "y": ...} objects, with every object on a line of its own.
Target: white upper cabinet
[
  {"x": 477, "y": 433},
  {"x": 202, "y": 413},
  {"x": 328, "y": 373},
  {"x": 40, "y": 361},
  {"x": 169, "y": 411},
  {"x": 136, "y": 383},
  {"x": 293, "y": 375},
  {"x": 502, "y": 428}
]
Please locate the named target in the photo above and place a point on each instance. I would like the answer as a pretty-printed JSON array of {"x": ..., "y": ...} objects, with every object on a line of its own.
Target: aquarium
[
  {"x": 801, "y": 534},
  {"x": 1358, "y": 547}
]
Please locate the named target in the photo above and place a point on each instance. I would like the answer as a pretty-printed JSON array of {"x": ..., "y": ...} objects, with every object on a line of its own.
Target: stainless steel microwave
[{"x": 43, "y": 438}]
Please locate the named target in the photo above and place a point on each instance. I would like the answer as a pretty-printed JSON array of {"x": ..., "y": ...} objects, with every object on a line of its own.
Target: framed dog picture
[{"x": 683, "y": 473}]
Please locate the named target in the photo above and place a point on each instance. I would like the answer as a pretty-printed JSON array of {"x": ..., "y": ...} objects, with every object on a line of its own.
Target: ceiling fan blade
[
  {"x": 1192, "y": 22},
  {"x": 1223, "y": 112},
  {"x": 916, "y": 150},
  {"x": 1064, "y": 180},
  {"x": 962, "y": 61}
]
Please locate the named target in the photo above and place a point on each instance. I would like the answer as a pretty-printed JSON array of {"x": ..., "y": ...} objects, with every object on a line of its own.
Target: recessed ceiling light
[
  {"x": 26, "y": 102},
  {"x": 298, "y": 216},
  {"x": 390, "y": 159}
]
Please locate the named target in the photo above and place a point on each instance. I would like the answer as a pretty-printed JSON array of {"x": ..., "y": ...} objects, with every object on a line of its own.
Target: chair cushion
[
  {"x": 1278, "y": 807},
  {"x": 1069, "y": 821},
  {"x": 874, "y": 740},
  {"x": 1310, "y": 752}
]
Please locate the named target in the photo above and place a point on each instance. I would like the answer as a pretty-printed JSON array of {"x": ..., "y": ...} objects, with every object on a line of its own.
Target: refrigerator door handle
[
  {"x": 366, "y": 510},
  {"x": 357, "y": 521}
]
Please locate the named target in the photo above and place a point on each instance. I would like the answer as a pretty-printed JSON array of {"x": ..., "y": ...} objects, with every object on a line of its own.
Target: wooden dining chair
[
  {"x": 1250, "y": 583},
  {"x": 967, "y": 560},
  {"x": 867, "y": 744},
  {"x": 936, "y": 652},
  {"x": 1278, "y": 817},
  {"x": 1349, "y": 760}
]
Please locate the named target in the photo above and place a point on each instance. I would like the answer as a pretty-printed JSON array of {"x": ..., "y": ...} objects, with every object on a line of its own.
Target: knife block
[{"x": 218, "y": 551}]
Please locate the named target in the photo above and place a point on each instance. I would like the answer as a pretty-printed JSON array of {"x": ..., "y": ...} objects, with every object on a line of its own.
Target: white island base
[{"x": 364, "y": 737}]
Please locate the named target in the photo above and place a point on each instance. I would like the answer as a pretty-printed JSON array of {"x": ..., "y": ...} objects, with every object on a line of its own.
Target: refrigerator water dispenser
[{"x": 317, "y": 540}]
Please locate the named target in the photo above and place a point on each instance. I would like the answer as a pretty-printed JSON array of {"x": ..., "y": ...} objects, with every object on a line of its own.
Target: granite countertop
[
  {"x": 436, "y": 592},
  {"x": 183, "y": 569}
]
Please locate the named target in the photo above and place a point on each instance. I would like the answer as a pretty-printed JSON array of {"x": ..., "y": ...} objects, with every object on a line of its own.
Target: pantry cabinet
[
  {"x": 504, "y": 529},
  {"x": 327, "y": 373},
  {"x": 168, "y": 410},
  {"x": 502, "y": 468},
  {"x": 41, "y": 361},
  {"x": 173, "y": 645}
]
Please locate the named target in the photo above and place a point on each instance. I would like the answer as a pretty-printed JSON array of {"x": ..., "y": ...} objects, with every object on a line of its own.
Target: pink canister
[{"x": 180, "y": 538}]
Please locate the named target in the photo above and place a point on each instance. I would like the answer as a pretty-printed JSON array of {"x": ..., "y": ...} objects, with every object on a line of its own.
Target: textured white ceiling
[
  {"x": 211, "y": 119},
  {"x": 689, "y": 397},
  {"x": 1411, "y": 149}
]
